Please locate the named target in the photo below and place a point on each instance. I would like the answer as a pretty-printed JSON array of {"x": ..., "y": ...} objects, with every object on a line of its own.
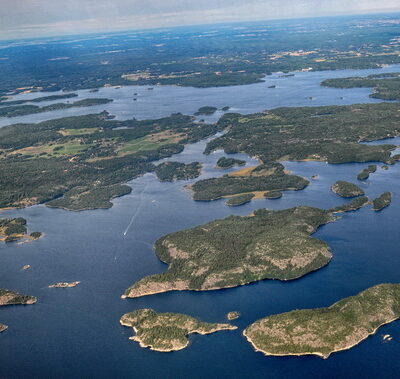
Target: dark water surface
[{"x": 76, "y": 332}]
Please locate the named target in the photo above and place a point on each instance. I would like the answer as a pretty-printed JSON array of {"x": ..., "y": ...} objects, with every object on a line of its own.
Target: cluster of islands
[
  {"x": 319, "y": 331},
  {"x": 15, "y": 229},
  {"x": 83, "y": 162},
  {"x": 239, "y": 250},
  {"x": 20, "y": 108}
]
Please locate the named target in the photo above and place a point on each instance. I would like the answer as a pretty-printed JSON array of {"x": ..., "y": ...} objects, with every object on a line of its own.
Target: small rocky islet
[{"x": 166, "y": 332}]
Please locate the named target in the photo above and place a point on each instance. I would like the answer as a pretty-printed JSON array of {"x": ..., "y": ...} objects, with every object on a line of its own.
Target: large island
[
  {"x": 240, "y": 250},
  {"x": 323, "y": 331},
  {"x": 329, "y": 133},
  {"x": 386, "y": 86},
  {"x": 252, "y": 180},
  {"x": 23, "y": 110}
]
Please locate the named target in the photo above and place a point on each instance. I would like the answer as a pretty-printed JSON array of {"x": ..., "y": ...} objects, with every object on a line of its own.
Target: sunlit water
[
  {"x": 302, "y": 89},
  {"x": 76, "y": 332}
]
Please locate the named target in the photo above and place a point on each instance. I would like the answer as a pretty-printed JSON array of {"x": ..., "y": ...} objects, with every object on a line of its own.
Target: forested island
[
  {"x": 364, "y": 174},
  {"x": 239, "y": 200},
  {"x": 323, "y": 331},
  {"x": 329, "y": 133},
  {"x": 23, "y": 110},
  {"x": 87, "y": 197},
  {"x": 234, "y": 315},
  {"x": 14, "y": 229},
  {"x": 8, "y": 297},
  {"x": 38, "y": 99},
  {"x": 273, "y": 195},
  {"x": 353, "y": 205},
  {"x": 14, "y": 298},
  {"x": 225, "y": 163},
  {"x": 385, "y": 86},
  {"x": 382, "y": 201},
  {"x": 263, "y": 178},
  {"x": 170, "y": 171},
  {"x": 347, "y": 189},
  {"x": 167, "y": 332},
  {"x": 81, "y": 162},
  {"x": 240, "y": 250},
  {"x": 206, "y": 111}
]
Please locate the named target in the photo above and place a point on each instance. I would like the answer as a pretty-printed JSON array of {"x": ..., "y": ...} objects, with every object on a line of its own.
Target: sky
[{"x": 39, "y": 18}]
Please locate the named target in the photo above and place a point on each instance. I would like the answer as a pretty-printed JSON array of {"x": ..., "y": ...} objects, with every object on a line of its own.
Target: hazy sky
[{"x": 35, "y": 18}]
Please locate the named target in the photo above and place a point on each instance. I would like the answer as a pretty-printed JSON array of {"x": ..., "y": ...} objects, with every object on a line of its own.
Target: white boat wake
[{"x": 139, "y": 207}]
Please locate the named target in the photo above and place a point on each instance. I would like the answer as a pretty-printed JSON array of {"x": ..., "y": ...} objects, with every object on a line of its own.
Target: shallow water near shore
[{"x": 76, "y": 333}]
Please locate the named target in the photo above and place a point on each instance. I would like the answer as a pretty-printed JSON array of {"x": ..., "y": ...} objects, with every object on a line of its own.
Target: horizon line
[{"x": 150, "y": 29}]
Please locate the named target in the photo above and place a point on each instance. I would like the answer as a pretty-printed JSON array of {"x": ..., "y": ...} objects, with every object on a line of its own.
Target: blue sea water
[{"x": 76, "y": 332}]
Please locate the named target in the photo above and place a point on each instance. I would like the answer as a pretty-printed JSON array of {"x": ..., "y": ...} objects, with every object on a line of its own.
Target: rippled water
[{"x": 76, "y": 332}]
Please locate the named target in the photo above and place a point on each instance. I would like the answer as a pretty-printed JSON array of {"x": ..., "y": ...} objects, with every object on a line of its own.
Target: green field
[
  {"x": 145, "y": 144},
  {"x": 69, "y": 148},
  {"x": 78, "y": 132}
]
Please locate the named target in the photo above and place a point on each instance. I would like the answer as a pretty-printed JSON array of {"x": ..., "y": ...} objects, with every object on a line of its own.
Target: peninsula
[
  {"x": 38, "y": 99},
  {"x": 323, "y": 331},
  {"x": 23, "y": 110},
  {"x": 166, "y": 332},
  {"x": 239, "y": 250},
  {"x": 353, "y": 205}
]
